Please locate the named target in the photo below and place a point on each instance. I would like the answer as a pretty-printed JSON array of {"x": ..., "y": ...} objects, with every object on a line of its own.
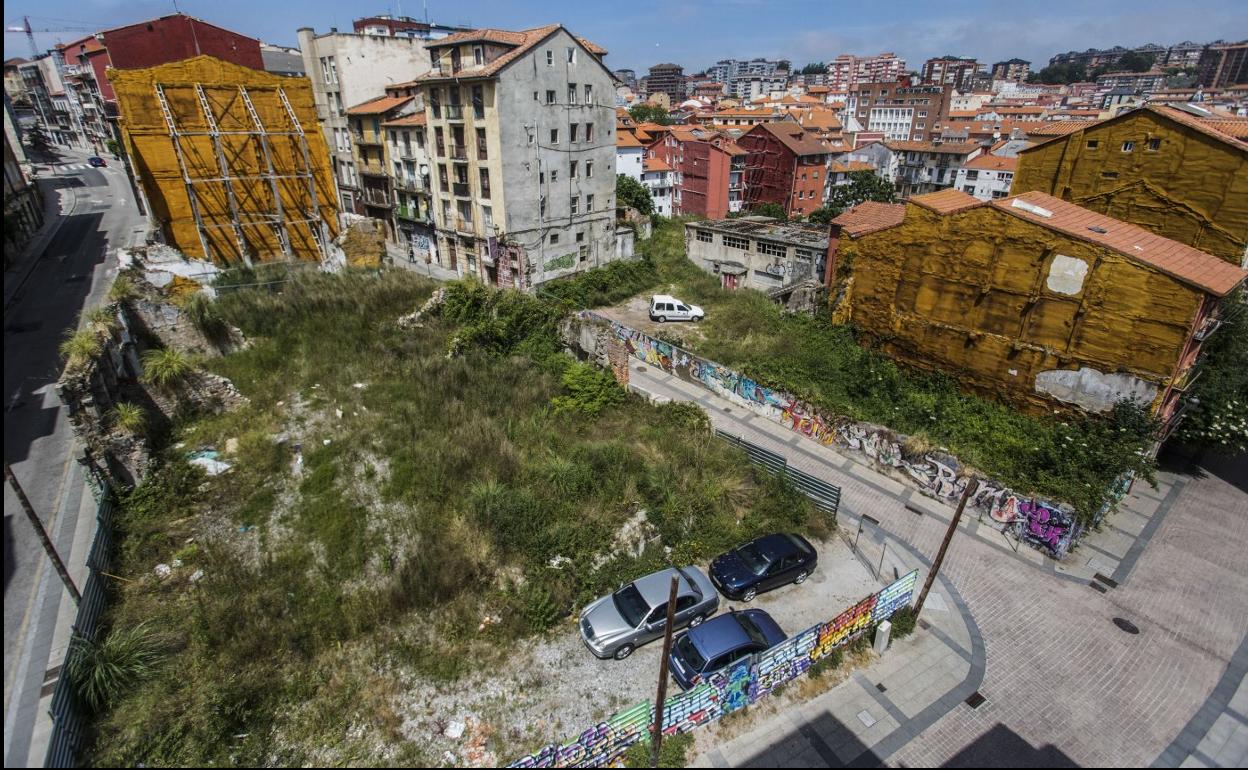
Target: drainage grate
[
  {"x": 1098, "y": 587},
  {"x": 976, "y": 700},
  {"x": 880, "y": 686},
  {"x": 1126, "y": 625},
  {"x": 1107, "y": 581}
]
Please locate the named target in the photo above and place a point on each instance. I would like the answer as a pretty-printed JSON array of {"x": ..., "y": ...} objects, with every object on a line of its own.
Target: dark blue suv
[
  {"x": 763, "y": 564},
  {"x": 720, "y": 642}
]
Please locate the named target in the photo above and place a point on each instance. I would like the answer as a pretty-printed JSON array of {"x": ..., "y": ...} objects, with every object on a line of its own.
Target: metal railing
[
  {"x": 460, "y": 189},
  {"x": 454, "y": 111},
  {"x": 826, "y": 497},
  {"x": 69, "y": 714},
  {"x": 459, "y": 152}
]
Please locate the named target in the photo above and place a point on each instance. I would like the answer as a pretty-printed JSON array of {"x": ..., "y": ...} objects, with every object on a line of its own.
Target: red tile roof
[
  {"x": 988, "y": 162},
  {"x": 851, "y": 166},
  {"x": 1178, "y": 260},
  {"x": 655, "y": 164},
  {"x": 523, "y": 42},
  {"x": 948, "y": 201},
  {"x": 625, "y": 139},
  {"x": 870, "y": 217},
  {"x": 417, "y": 119},
  {"x": 378, "y": 105},
  {"x": 797, "y": 139}
]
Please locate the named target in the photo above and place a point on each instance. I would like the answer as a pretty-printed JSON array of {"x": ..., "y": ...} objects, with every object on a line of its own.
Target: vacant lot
[{"x": 403, "y": 535}]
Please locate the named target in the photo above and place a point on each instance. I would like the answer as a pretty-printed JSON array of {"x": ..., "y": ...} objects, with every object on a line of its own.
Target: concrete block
[{"x": 882, "y": 634}]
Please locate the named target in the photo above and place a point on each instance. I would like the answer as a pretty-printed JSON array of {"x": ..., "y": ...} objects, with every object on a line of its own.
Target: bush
[
  {"x": 903, "y": 621},
  {"x": 81, "y": 347},
  {"x": 102, "y": 319},
  {"x": 129, "y": 417},
  {"x": 687, "y": 417},
  {"x": 165, "y": 367},
  {"x": 830, "y": 662},
  {"x": 122, "y": 289},
  {"x": 203, "y": 314},
  {"x": 673, "y": 752},
  {"x": 607, "y": 285},
  {"x": 103, "y": 671},
  {"x": 590, "y": 390}
]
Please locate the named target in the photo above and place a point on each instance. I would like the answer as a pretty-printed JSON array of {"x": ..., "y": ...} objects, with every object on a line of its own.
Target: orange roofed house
[
  {"x": 785, "y": 164},
  {"x": 1029, "y": 299}
]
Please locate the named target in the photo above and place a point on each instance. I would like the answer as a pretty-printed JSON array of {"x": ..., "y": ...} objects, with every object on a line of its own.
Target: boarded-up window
[{"x": 1066, "y": 274}]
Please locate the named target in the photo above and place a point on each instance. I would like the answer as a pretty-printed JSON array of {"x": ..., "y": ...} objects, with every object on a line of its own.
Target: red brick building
[
  {"x": 785, "y": 164},
  {"x": 712, "y": 171},
  {"x": 177, "y": 37}
]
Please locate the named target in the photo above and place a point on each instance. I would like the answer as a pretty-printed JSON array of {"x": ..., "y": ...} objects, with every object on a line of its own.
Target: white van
[{"x": 664, "y": 308}]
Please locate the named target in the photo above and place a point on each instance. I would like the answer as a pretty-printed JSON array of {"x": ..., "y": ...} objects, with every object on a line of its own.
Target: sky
[{"x": 697, "y": 33}]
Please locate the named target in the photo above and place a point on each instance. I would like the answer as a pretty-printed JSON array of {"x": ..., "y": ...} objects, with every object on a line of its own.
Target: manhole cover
[
  {"x": 727, "y": 409},
  {"x": 880, "y": 686},
  {"x": 1127, "y": 625},
  {"x": 976, "y": 700},
  {"x": 640, "y": 368}
]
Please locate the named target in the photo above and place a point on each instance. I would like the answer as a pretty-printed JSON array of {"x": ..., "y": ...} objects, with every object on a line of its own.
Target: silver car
[{"x": 615, "y": 625}]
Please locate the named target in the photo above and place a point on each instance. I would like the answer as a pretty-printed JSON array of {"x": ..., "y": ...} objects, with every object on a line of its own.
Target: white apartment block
[{"x": 987, "y": 176}]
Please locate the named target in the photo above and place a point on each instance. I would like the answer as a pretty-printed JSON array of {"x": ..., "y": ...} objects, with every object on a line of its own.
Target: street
[{"x": 68, "y": 271}]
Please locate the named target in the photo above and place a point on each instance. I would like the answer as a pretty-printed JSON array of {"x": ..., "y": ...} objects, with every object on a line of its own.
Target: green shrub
[
  {"x": 129, "y": 417},
  {"x": 673, "y": 752},
  {"x": 122, "y": 289},
  {"x": 903, "y": 621},
  {"x": 102, "y": 671},
  {"x": 830, "y": 662},
  {"x": 102, "y": 319},
  {"x": 687, "y": 417},
  {"x": 206, "y": 318},
  {"x": 607, "y": 285},
  {"x": 81, "y": 347},
  {"x": 590, "y": 390},
  {"x": 166, "y": 367}
]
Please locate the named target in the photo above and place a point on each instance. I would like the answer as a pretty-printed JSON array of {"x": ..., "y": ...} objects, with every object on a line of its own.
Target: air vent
[{"x": 1096, "y": 229}]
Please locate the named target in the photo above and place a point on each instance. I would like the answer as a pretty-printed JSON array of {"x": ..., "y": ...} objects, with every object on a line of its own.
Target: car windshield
[
  {"x": 630, "y": 604},
  {"x": 754, "y": 559},
  {"x": 688, "y": 652},
  {"x": 751, "y": 630}
]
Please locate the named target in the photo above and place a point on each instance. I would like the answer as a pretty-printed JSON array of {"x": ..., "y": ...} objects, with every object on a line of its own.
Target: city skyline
[{"x": 638, "y": 42}]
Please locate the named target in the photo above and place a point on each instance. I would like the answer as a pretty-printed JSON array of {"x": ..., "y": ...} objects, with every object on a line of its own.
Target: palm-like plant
[
  {"x": 80, "y": 347},
  {"x": 166, "y": 367},
  {"x": 129, "y": 417},
  {"x": 103, "y": 670}
]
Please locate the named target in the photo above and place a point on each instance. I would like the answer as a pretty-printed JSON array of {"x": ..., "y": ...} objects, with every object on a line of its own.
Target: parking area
[
  {"x": 635, "y": 314},
  {"x": 555, "y": 688}
]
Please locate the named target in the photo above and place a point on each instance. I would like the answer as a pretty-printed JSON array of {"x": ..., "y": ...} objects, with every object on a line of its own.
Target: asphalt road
[{"x": 72, "y": 274}]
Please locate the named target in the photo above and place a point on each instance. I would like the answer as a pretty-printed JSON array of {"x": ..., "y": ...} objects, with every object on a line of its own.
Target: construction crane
[{"x": 30, "y": 33}]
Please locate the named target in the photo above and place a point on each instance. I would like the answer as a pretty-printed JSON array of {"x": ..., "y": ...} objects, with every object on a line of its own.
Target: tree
[
  {"x": 814, "y": 68},
  {"x": 1060, "y": 74},
  {"x": 1219, "y": 421},
  {"x": 822, "y": 216},
  {"x": 1134, "y": 61},
  {"x": 650, "y": 113},
  {"x": 769, "y": 209},
  {"x": 36, "y": 138},
  {"x": 630, "y": 192},
  {"x": 863, "y": 186}
]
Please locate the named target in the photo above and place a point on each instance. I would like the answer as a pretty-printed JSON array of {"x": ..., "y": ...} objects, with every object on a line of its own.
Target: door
[
  {"x": 682, "y": 312},
  {"x": 655, "y": 623},
  {"x": 730, "y": 281},
  {"x": 685, "y": 610}
]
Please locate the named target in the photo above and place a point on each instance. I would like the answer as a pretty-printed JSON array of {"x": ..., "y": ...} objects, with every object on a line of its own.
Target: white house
[
  {"x": 628, "y": 155},
  {"x": 659, "y": 179},
  {"x": 987, "y": 176}
]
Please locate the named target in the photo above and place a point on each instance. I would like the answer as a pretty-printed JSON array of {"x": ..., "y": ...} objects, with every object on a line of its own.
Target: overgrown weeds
[
  {"x": 81, "y": 347},
  {"x": 102, "y": 671},
  {"x": 165, "y": 368},
  {"x": 129, "y": 418}
]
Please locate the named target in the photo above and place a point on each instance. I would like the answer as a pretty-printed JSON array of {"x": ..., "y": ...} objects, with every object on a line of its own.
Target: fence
[
  {"x": 741, "y": 684},
  {"x": 825, "y": 496},
  {"x": 69, "y": 718}
]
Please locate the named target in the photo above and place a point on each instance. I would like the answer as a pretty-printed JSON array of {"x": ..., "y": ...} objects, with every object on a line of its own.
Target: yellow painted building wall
[
  {"x": 967, "y": 294},
  {"x": 148, "y": 141},
  {"x": 1193, "y": 188}
]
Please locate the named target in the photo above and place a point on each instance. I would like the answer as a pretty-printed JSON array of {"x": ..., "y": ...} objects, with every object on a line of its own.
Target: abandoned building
[
  {"x": 1029, "y": 299},
  {"x": 758, "y": 252}
]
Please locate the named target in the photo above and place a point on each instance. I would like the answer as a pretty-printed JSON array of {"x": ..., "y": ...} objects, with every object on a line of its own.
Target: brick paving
[{"x": 1061, "y": 678}]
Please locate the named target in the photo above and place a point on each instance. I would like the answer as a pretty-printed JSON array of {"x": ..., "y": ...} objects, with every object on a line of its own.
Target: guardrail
[{"x": 825, "y": 496}]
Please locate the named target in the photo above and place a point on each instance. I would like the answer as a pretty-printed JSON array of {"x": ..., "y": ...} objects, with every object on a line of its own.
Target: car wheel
[
  {"x": 662, "y": 319},
  {"x": 623, "y": 652},
  {"x": 749, "y": 595},
  {"x": 697, "y": 620},
  {"x": 801, "y": 578}
]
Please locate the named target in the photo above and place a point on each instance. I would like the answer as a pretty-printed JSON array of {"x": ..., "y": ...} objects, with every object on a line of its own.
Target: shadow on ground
[{"x": 1002, "y": 747}]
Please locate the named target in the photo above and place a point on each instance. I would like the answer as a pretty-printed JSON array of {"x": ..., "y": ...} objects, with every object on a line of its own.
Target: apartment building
[
  {"x": 987, "y": 176},
  {"x": 23, "y": 203},
  {"x": 847, "y": 71},
  {"x": 658, "y": 176},
  {"x": 351, "y": 68},
  {"x": 667, "y": 79},
  {"x": 1139, "y": 82},
  {"x": 410, "y": 169},
  {"x": 1015, "y": 70},
  {"x": 1223, "y": 64},
  {"x": 923, "y": 167},
  {"x": 950, "y": 71},
  {"x": 901, "y": 111},
  {"x": 524, "y": 149},
  {"x": 376, "y": 198},
  {"x": 385, "y": 25},
  {"x": 785, "y": 164},
  {"x": 629, "y": 154}
]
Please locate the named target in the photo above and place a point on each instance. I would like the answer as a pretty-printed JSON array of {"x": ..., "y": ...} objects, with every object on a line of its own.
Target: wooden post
[
  {"x": 971, "y": 486},
  {"x": 656, "y": 738},
  {"x": 43, "y": 536}
]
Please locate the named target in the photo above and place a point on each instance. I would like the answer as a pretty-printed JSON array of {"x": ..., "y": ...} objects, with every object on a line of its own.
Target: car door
[
  {"x": 788, "y": 569},
  {"x": 652, "y": 627},
  {"x": 682, "y": 311},
  {"x": 771, "y": 575},
  {"x": 686, "y": 608}
]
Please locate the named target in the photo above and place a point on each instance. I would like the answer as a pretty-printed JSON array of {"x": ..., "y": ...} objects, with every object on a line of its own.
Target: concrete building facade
[
  {"x": 757, "y": 252},
  {"x": 785, "y": 165},
  {"x": 901, "y": 111},
  {"x": 1015, "y": 70},
  {"x": 668, "y": 79}
]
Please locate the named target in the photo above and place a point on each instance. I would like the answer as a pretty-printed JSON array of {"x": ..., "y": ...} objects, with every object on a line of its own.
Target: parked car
[
  {"x": 95, "y": 161},
  {"x": 664, "y": 308},
  {"x": 763, "y": 564},
  {"x": 616, "y": 624},
  {"x": 720, "y": 642}
]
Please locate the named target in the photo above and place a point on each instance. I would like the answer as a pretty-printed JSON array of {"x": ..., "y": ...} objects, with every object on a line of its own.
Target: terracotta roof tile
[
  {"x": 1059, "y": 127},
  {"x": 851, "y": 167},
  {"x": 947, "y": 148},
  {"x": 988, "y": 162},
  {"x": 1233, "y": 130},
  {"x": 378, "y": 105},
  {"x": 417, "y": 119},
  {"x": 794, "y": 137},
  {"x": 870, "y": 217},
  {"x": 625, "y": 139},
  {"x": 655, "y": 164},
  {"x": 948, "y": 201},
  {"x": 1178, "y": 260},
  {"x": 523, "y": 42}
]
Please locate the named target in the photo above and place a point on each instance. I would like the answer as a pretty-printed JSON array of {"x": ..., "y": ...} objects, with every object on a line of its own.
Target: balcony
[
  {"x": 459, "y": 152},
  {"x": 376, "y": 198},
  {"x": 371, "y": 170},
  {"x": 408, "y": 212},
  {"x": 462, "y": 225},
  {"x": 460, "y": 189},
  {"x": 454, "y": 111},
  {"x": 409, "y": 183}
]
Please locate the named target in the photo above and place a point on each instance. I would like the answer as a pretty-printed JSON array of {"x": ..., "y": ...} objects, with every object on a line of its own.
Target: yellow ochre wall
[
  {"x": 151, "y": 148},
  {"x": 1193, "y": 189},
  {"x": 967, "y": 294}
]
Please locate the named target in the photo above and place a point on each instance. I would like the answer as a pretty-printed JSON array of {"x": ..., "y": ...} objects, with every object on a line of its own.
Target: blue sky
[{"x": 696, "y": 33}]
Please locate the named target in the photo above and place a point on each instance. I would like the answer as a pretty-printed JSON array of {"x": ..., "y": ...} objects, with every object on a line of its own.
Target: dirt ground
[
  {"x": 635, "y": 314},
  {"x": 555, "y": 688}
]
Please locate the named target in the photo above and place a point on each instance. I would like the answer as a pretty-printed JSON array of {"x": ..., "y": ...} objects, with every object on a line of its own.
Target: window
[
  {"x": 1154, "y": 145},
  {"x": 487, "y": 216},
  {"x": 733, "y": 242},
  {"x": 435, "y": 102},
  {"x": 999, "y": 193},
  {"x": 589, "y": 94},
  {"x": 574, "y": 204},
  {"x": 572, "y": 132},
  {"x": 580, "y": 237},
  {"x": 482, "y": 153},
  {"x": 550, "y": 58},
  {"x": 571, "y": 54},
  {"x": 589, "y": 168},
  {"x": 772, "y": 249},
  {"x": 969, "y": 189},
  {"x": 554, "y": 238},
  {"x": 543, "y": 205},
  {"x": 554, "y": 175},
  {"x": 1093, "y": 144},
  {"x": 325, "y": 69},
  {"x": 437, "y": 136},
  {"x": 478, "y": 55},
  {"x": 535, "y": 96},
  {"x": 478, "y": 102},
  {"x": 572, "y": 170},
  {"x": 1128, "y": 146},
  {"x": 705, "y": 236},
  {"x": 571, "y": 93},
  {"x": 589, "y": 132},
  {"x": 583, "y": 253},
  {"x": 485, "y": 182},
  {"x": 972, "y": 175},
  {"x": 589, "y": 203},
  {"x": 541, "y": 177},
  {"x": 550, "y": 98},
  {"x": 554, "y": 136},
  {"x": 807, "y": 254}
]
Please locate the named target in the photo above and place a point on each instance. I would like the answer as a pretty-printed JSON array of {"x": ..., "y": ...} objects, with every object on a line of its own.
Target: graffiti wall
[
  {"x": 1048, "y": 526},
  {"x": 724, "y": 692}
]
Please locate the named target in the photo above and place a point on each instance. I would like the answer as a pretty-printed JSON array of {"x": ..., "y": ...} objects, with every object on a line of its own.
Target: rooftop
[
  {"x": 947, "y": 148},
  {"x": 870, "y": 217},
  {"x": 521, "y": 41},
  {"x": 655, "y": 164},
  {"x": 794, "y": 137},
  {"x": 768, "y": 229},
  {"x": 988, "y": 162},
  {"x": 948, "y": 201},
  {"x": 418, "y": 119},
  {"x": 378, "y": 105}
]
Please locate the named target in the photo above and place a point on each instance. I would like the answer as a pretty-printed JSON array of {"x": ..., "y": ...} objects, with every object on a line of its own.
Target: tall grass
[
  {"x": 80, "y": 347},
  {"x": 129, "y": 417},
  {"x": 103, "y": 671},
  {"x": 165, "y": 368}
]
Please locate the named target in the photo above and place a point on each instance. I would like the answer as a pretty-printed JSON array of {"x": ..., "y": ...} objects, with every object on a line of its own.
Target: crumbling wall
[
  {"x": 1193, "y": 188},
  {"x": 267, "y": 176},
  {"x": 363, "y": 243},
  {"x": 998, "y": 303}
]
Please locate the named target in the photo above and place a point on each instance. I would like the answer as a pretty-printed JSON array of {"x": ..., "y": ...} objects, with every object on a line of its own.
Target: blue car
[
  {"x": 763, "y": 564},
  {"x": 720, "y": 642},
  {"x": 95, "y": 161}
]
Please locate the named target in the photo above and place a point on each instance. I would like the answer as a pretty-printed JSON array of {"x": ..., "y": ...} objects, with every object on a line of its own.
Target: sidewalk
[
  {"x": 54, "y": 214},
  {"x": 399, "y": 257}
]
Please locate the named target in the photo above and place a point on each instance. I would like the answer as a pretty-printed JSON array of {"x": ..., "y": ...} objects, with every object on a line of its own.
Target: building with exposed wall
[
  {"x": 1222, "y": 65},
  {"x": 372, "y": 158},
  {"x": 385, "y": 25},
  {"x": 901, "y": 111},
  {"x": 757, "y": 252},
  {"x": 230, "y": 158},
  {"x": 1029, "y": 299},
  {"x": 23, "y": 204},
  {"x": 1015, "y": 70},
  {"x": 847, "y": 71},
  {"x": 1180, "y": 174},
  {"x": 785, "y": 164},
  {"x": 667, "y": 79},
  {"x": 536, "y": 111},
  {"x": 950, "y": 71}
]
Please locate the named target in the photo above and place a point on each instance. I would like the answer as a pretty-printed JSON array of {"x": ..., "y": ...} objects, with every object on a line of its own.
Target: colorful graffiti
[
  {"x": 726, "y": 691},
  {"x": 1045, "y": 525},
  {"x": 560, "y": 263}
]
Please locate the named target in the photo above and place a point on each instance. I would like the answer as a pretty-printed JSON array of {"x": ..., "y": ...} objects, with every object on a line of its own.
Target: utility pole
[
  {"x": 971, "y": 485},
  {"x": 656, "y": 738},
  {"x": 47, "y": 542}
]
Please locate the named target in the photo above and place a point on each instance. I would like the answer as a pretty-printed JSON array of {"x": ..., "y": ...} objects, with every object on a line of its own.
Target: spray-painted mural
[
  {"x": 724, "y": 692},
  {"x": 1048, "y": 526}
]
